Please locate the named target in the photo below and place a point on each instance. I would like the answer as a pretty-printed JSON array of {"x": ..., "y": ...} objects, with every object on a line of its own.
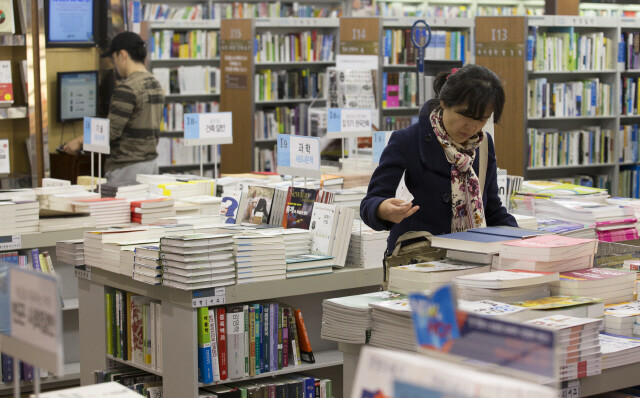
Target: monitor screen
[
  {"x": 77, "y": 95},
  {"x": 70, "y": 23}
]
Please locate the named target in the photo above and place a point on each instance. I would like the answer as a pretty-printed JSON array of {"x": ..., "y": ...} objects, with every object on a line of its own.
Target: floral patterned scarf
[{"x": 466, "y": 198}]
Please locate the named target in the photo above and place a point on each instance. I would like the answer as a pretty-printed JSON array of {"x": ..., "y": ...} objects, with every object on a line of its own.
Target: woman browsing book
[{"x": 440, "y": 158}]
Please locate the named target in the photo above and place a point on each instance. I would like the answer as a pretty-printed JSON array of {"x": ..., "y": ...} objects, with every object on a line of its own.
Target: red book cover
[
  {"x": 306, "y": 354},
  {"x": 314, "y": 40},
  {"x": 222, "y": 342}
]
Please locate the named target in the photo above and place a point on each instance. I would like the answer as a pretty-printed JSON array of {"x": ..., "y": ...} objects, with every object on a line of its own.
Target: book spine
[
  {"x": 258, "y": 338},
  {"x": 306, "y": 354},
  {"x": 285, "y": 337},
  {"x": 213, "y": 332},
  {"x": 109, "y": 312},
  {"x": 280, "y": 361},
  {"x": 264, "y": 360},
  {"x": 205, "y": 370},
  {"x": 273, "y": 337},
  {"x": 222, "y": 342},
  {"x": 293, "y": 338},
  {"x": 245, "y": 311},
  {"x": 35, "y": 260},
  {"x": 252, "y": 341},
  {"x": 235, "y": 340}
]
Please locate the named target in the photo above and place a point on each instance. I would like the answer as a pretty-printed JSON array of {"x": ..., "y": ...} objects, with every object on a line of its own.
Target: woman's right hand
[{"x": 395, "y": 211}]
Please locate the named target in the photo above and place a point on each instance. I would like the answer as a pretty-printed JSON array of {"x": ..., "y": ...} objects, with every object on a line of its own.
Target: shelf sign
[
  {"x": 342, "y": 123},
  {"x": 5, "y": 164},
  {"x": 208, "y": 128},
  {"x": 10, "y": 242},
  {"x": 208, "y": 297},
  {"x": 96, "y": 135},
  {"x": 35, "y": 319},
  {"x": 298, "y": 156},
  {"x": 380, "y": 140}
]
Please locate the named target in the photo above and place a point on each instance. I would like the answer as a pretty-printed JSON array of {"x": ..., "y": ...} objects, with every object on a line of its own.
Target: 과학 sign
[{"x": 298, "y": 156}]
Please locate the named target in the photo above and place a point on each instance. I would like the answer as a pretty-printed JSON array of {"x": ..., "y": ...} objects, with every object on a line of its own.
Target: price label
[
  {"x": 83, "y": 272},
  {"x": 10, "y": 242},
  {"x": 5, "y": 164},
  {"x": 380, "y": 140},
  {"x": 571, "y": 389},
  {"x": 298, "y": 156},
  {"x": 208, "y": 297},
  {"x": 36, "y": 318},
  {"x": 343, "y": 123},
  {"x": 208, "y": 128},
  {"x": 96, "y": 135}
]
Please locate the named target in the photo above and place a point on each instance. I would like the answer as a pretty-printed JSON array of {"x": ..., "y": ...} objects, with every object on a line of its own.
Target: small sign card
[
  {"x": 96, "y": 135},
  {"x": 298, "y": 156},
  {"x": 344, "y": 123},
  {"x": 208, "y": 128},
  {"x": 380, "y": 140}
]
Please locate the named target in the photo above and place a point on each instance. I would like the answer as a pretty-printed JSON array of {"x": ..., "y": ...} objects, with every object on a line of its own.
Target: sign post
[
  {"x": 96, "y": 139},
  {"x": 208, "y": 129},
  {"x": 298, "y": 156},
  {"x": 31, "y": 328}
]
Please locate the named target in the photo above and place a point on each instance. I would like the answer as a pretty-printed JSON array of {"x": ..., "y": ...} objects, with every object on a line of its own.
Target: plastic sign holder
[
  {"x": 379, "y": 141},
  {"x": 208, "y": 129},
  {"x": 96, "y": 139},
  {"x": 31, "y": 324},
  {"x": 349, "y": 123},
  {"x": 298, "y": 156}
]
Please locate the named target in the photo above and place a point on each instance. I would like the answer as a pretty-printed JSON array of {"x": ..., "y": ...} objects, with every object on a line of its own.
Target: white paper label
[
  {"x": 96, "y": 135},
  {"x": 208, "y": 128},
  {"x": 35, "y": 310},
  {"x": 349, "y": 122},
  {"x": 5, "y": 164},
  {"x": 402, "y": 192}
]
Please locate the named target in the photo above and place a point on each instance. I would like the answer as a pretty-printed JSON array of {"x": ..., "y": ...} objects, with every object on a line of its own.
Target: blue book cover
[
  {"x": 509, "y": 232},
  {"x": 7, "y": 368},
  {"x": 257, "y": 337},
  {"x": 434, "y": 317},
  {"x": 273, "y": 337},
  {"x": 35, "y": 259},
  {"x": 264, "y": 359},
  {"x": 463, "y": 44}
]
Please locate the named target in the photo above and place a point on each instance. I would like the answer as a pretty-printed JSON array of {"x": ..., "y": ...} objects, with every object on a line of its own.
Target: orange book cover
[{"x": 306, "y": 354}]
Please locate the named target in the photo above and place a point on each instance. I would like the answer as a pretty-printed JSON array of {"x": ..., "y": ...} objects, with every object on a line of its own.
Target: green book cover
[
  {"x": 109, "y": 314},
  {"x": 257, "y": 329}
]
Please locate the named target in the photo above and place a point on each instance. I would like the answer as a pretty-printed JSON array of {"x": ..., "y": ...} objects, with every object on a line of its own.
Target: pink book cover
[
  {"x": 618, "y": 235},
  {"x": 592, "y": 274},
  {"x": 546, "y": 241},
  {"x": 630, "y": 220},
  {"x": 393, "y": 101}
]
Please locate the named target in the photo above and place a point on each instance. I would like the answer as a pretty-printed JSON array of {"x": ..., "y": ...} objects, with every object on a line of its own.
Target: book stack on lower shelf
[
  {"x": 260, "y": 256},
  {"x": 621, "y": 319},
  {"x": 70, "y": 252},
  {"x": 19, "y": 217}
]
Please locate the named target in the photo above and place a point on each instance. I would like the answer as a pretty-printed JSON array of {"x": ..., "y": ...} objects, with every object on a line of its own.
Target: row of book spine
[
  {"x": 399, "y": 89},
  {"x": 134, "y": 328},
  {"x": 445, "y": 44},
  {"x": 402, "y": 9},
  {"x": 193, "y": 44},
  {"x": 589, "y": 97},
  {"x": 248, "y": 340},
  {"x": 563, "y": 49},
  {"x": 172, "y": 151},
  {"x": 197, "y": 79},
  {"x": 629, "y": 96},
  {"x": 307, "y": 46},
  {"x": 294, "y": 84},
  {"x": 629, "y": 135},
  {"x": 173, "y": 113},
  {"x": 629, "y": 182},
  {"x": 264, "y": 159},
  {"x": 630, "y": 41},
  {"x": 170, "y": 12},
  {"x": 392, "y": 123},
  {"x": 281, "y": 120},
  {"x": 576, "y": 147}
]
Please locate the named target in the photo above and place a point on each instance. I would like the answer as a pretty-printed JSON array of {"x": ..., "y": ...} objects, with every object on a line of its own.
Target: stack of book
[
  {"x": 205, "y": 205},
  {"x": 70, "y": 252},
  {"x": 548, "y": 253},
  {"x": 150, "y": 211},
  {"x": 348, "y": 319},
  {"x": 617, "y": 229},
  {"x": 330, "y": 230},
  {"x": 260, "y": 256},
  {"x": 610, "y": 285},
  {"x": 618, "y": 350},
  {"x": 60, "y": 198},
  {"x": 179, "y": 190},
  {"x": 309, "y": 265},
  {"x": 146, "y": 266},
  {"x": 495, "y": 309},
  {"x": 575, "y": 306},
  {"x": 19, "y": 217},
  {"x": 578, "y": 343},
  {"x": 197, "y": 261},
  {"x": 429, "y": 276},
  {"x": 66, "y": 222},
  {"x": 297, "y": 242},
  {"x": 106, "y": 211},
  {"x": 620, "y": 318},
  {"x": 367, "y": 247},
  {"x": 124, "y": 190},
  {"x": 566, "y": 228},
  {"x": 507, "y": 286},
  {"x": 392, "y": 325},
  {"x": 119, "y": 255}
]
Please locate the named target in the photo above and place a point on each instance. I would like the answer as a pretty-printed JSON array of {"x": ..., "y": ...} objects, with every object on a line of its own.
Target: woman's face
[{"x": 460, "y": 127}]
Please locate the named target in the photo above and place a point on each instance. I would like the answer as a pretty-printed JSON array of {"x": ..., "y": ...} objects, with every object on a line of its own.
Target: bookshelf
[
  {"x": 180, "y": 374},
  {"x": 451, "y": 39},
  {"x": 69, "y": 290},
  {"x": 533, "y": 127},
  {"x": 458, "y": 8},
  {"x": 270, "y": 90}
]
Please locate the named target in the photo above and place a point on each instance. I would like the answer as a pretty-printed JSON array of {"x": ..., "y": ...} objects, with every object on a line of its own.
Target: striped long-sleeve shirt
[{"x": 135, "y": 114}]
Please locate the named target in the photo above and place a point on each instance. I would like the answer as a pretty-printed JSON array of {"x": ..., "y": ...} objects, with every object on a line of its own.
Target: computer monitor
[
  {"x": 70, "y": 23},
  {"x": 77, "y": 95}
]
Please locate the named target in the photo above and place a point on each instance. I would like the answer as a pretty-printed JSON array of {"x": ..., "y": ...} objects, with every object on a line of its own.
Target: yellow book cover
[
  {"x": 257, "y": 52},
  {"x": 447, "y": 46},
  {"x": 44, "y": 267},
  {"x": 547, "y": 303},
  {"x": 297, "y": 47},
  {"x": 309, "y": 49}
]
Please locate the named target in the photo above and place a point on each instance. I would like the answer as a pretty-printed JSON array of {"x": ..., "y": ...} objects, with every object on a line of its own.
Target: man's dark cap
[{"x": 124, "y": 41}]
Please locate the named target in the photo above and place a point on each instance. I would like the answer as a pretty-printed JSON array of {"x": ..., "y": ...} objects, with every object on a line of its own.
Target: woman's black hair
[
  {"x": 138, "y": 53},
  {"x": 473, "y": 86}
]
